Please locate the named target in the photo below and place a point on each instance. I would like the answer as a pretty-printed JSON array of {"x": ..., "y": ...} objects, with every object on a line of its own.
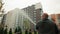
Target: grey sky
[{"x": 49, "y": 6}]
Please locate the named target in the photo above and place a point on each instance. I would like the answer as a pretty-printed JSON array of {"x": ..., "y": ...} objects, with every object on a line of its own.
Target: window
[
  {"x": 34, "y": 11},
  {"x": 34, "y": 19},
  {"x": 34, "y": 14}
]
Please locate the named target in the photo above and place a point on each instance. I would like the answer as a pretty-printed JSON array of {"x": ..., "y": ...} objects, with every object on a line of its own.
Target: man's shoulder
[
  {"x": 47, "y": 21},
  {"x": 40, "y": 21},
  {"x": 50, "y": 22}
]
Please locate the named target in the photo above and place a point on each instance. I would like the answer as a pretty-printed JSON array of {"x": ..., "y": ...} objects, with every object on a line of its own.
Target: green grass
[{"x": 24, "y": 33}]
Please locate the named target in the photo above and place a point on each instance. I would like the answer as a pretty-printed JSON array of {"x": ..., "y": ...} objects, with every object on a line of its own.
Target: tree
[
  {"x": 35, "y": 32},
  {"x": 26, "y": 31},
  {"x": 5, "y": 31},
  {"x": 10, "y": 31},
  {"x": 19, "y": 30},
  {"x": 2, "y": 31},
  {"x": 30, "y": 31},
  {"x": 16, "y": 30},
  {"x": 26, "y": 24}
]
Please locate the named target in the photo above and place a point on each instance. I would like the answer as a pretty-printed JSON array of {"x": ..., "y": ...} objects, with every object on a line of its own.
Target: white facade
[
  {"x": 0, "y": 0},
  {"x": 14, "y": 19},
  {"x": 38, "y": 6}
]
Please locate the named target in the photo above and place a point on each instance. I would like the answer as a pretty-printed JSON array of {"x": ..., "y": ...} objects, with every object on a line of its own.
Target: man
[{"x": 46, "y": 26}]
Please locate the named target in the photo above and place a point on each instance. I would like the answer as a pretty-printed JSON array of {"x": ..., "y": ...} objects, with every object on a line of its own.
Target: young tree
[
  {"x": 2, "y": 30},
  {"x": 30, "y": 32},
  {"x": 16, "y": 30},
  {"x": 5, "y": 31},
  {"x": 10, "y": 31},
  {"x": 26, "y": 31},
  {"x": 19, "y": 30},
  {"x": 35, "y": 32}
]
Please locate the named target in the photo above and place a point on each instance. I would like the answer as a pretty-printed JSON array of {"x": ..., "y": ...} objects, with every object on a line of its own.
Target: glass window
[
  {"x": 34, "y": 11},
  {"x": 34, "y": 18},
  {"x": 35, "y": 21}
]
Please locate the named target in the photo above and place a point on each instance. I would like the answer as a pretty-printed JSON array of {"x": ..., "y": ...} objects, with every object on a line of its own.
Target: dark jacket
[{"x": 46, "y": 27}]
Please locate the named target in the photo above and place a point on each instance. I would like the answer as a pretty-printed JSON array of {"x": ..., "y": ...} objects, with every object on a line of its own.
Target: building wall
[
  {"x": 15, "y": 18},
  {"x": 10, "y": 20},
  {"x": 34, "y": 12},
  {"x": 38, "y": 6},
  {"x": 58, "y": 18},
  {"x": 38, "y": 14},
  {"x": 55, "y": 17},
  {"x": 0, "y": 0}
]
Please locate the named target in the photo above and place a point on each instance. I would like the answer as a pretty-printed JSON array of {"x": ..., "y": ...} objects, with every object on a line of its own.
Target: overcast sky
[{"x": 49, "y": 6}]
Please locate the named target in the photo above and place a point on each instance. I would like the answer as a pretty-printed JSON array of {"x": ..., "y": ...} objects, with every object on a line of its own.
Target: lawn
[{"x": 24, "y": 33}]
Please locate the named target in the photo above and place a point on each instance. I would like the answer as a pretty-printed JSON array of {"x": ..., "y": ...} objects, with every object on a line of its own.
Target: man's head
[{"x": 44, "y": 16}]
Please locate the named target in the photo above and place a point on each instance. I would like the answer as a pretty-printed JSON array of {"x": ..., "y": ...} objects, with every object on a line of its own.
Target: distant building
[
  {"x": 14, "y": 19},
  {"x": 58, "y": 21},
  {"x": 34, "y": 12},
  {"x": 56, "y": 17},
  {"x": 0, "y": 0},
  {"x": 53, "y": 17},
  {"x": 39, "y": 11},
  {"x": 25, "y": 18},
  {"x": 10, "y": 19}
]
